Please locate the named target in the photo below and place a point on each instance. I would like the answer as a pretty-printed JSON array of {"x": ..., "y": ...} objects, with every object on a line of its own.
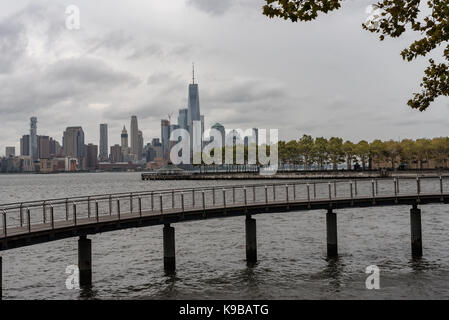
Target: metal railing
[{"x": 62, "y": 212}]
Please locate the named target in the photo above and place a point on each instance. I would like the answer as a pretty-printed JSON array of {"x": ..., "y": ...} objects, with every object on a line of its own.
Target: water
[{"x": 210, "y": 254}]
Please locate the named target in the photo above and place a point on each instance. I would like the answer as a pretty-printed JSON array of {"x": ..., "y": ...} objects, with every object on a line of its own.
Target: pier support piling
[
  {"x": 169, "y": 249},
  {"x": 331, "y": 226},
  {"x": 251, "y": 240},
  {"x": 415, "y": 226},
  {"x": 85, "y": 261},
  {"x": 1, "y": 279}
]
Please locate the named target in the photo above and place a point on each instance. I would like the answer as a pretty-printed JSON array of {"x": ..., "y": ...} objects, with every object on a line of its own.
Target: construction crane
[{"x": 169, "y": 116}]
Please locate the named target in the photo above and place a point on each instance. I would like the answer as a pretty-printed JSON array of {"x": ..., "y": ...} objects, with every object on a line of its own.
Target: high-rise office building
[
  {"x": 55, "y": 148},
  {"x": 25, "y": 145},
  {"x": 165, "y": 137},
  {"x": 182, "y": 119},
  {"x": 134, "y": 136},
  {"x": 33, "y": 138},
  {"x": 193, "y": 115},
  {"x": 90, "y": 157},
  {"x": 124, "y": 138},
  {"x": 116, "y": 153},
  {"x": 43, "y": 147},
  {"x": 139, "y": 145},
  {"x": 103, "y": 141},
  {"x": 73, "y": 142},
  {"x": 10, "y": 152}
]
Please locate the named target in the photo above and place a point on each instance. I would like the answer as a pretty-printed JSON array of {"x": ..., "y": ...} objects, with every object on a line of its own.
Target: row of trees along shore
[{"x": 309, "y": 152}]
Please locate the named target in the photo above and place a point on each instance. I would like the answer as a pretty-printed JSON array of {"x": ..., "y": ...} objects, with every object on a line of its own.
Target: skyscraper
[
  {"x": 25, "y": 145},
  {"x": 43, "y": 147},
  {"x": 124, "y": 138},
  {"x": 10, "y": 152},
  {"x": 116, "y": 153},
  {"x": 165, "y": 137},
  {"x": 182, "y": 119},
  {"x": 134, "y": 136},
  {"x": 73, "y": 142},
  {"x": 103, "y": 141},
  {"x": 139, "y": 145},
  {"x": 90, "y": 157},
  {"x": 33, "y": 138},
  {"x": 193, "y": 115}
]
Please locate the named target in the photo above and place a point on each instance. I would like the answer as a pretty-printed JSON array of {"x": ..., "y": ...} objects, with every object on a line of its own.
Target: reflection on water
[{"x": 210, "y": 254}]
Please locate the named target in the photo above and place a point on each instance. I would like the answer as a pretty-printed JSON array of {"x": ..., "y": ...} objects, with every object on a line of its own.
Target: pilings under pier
[
  {"x": 332, "y": 239},
  {"x": 251, "y": 240},
  {"x": 85, "y": 261},
  {"x": 415, "y": 227},
  {"x": 1, "y": 279},
  {"x": 169, "y": 249}
]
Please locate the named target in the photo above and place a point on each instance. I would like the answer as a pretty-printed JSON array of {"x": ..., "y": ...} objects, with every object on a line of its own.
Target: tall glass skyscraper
[
  {"x": 103, "y": 141},
  {"x": 134, "y": 136},
  {"x": 194, "y": 115},
  {"x": 33, "y": 138}
]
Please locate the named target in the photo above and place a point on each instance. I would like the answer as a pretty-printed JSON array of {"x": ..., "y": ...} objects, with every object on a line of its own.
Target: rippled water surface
[{"x": 210, "y": 254}]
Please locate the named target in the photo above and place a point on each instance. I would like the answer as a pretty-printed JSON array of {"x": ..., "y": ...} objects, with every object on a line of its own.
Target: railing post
[
  {"x": 193, "y": 198},
  {"x": 204, "y": 202},
  {"x": 140, "y": 206},
  {"x": 88, "y": 207},
  {"x": 294, "y": 191},
  {"x": 182, "y": 203},
  {"x": 152, "y": 201},
  {"x": 274, "y": 192},
  {"x": 335, "y": 188},
  {"x": 4, "y": 224},
  {"x": 67, "y": 209},
  {"x": 266, "y": 194},
  {"x": 161, "y": 205},
  {"x": 377, "y": 187},
  {"x": 74, "y": 213},
  {"x": 44, "y": 213},
  {"x": 441, "y": 187},
  {"x": 350, "y": 188},
  {"x": 314, "y": 190},
  {"x": 97, "y": 217},
  {"x": 397, "y": 185},
  {"x": 330, "y": 190},
  {"x": 244, "y": 193},
  {"x": 110, "y": 205},
  {"x": 213, "y": 196},
  {"x": 131, "y": 203},
  {"x": 418, "y": 186},
  {"x": 52, "y": 217},
  {"x": 286, "y": 193},
  {"x": 224, "y": 198},
  {"x": 21, "y": 215},
  {"x": 373, "y": 191},
  {"x": 233, "y": 194},
  {"x": 173, "y": 198},
  {"x": 355, "y": 187},
  {"x": 308, "y": 193},
  {"x": 254, "y": 193},
  {"x": 118, "y": 209},
  {"x": 29, "y": 220}
]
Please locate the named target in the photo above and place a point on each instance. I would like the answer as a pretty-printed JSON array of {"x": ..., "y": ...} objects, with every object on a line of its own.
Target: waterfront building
[
  {"x": 103, "y": 141},
  {"x": 25, "y": 145},
  {"x": 73, "y": 142}
]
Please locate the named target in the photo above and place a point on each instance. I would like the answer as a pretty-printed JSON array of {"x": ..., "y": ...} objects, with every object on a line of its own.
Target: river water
[{"x": 210, "y": 254}]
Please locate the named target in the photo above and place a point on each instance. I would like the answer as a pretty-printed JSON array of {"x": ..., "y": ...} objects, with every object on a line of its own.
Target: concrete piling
[
  {"x": 251, "y": 240},
  {"x": 332, "y": 241},
  {"x": 169, "y": 249},
  {"x": 415, "y": 227},
  {"x": 85, "y": 261}
]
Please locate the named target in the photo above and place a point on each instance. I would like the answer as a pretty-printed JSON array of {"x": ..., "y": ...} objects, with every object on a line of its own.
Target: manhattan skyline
[{"x": 107, "y": 71}]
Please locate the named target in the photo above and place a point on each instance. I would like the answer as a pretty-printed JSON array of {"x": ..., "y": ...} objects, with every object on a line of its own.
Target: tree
[
  {"x": 392, "y": 152},
  {"x": 362, "y": 152},
  {"x": 320, "y": 152},
  {"x": 394, "y": 17},
  {"x": 349, "y": 152},
  {"x": 305, "y": 148},
  {"x": 335, "y": 151}
]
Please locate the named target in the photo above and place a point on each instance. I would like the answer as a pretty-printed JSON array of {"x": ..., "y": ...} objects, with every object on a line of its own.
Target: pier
[{"x": 34, "y": 222}]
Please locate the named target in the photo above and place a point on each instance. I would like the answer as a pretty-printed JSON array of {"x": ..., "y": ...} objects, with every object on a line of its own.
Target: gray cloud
[{"x": 215, "y": 7}]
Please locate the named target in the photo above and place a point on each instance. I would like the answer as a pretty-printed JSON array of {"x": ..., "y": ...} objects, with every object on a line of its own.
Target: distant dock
[{"x": 283, "y": 175}]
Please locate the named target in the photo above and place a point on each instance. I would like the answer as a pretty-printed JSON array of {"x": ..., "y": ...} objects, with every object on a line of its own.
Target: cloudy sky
[{"x": 324, "y": 78}]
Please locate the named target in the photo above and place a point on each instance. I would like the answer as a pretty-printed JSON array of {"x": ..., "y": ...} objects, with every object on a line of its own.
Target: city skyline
[{"x": 120, "y": 71}]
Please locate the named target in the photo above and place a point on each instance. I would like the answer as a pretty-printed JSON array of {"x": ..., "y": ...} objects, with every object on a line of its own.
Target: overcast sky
[{"x": 325, "y": 78}]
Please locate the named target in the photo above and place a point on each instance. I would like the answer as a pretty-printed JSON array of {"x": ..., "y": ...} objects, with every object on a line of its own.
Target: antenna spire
[{"x": 193, "y": 73}]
